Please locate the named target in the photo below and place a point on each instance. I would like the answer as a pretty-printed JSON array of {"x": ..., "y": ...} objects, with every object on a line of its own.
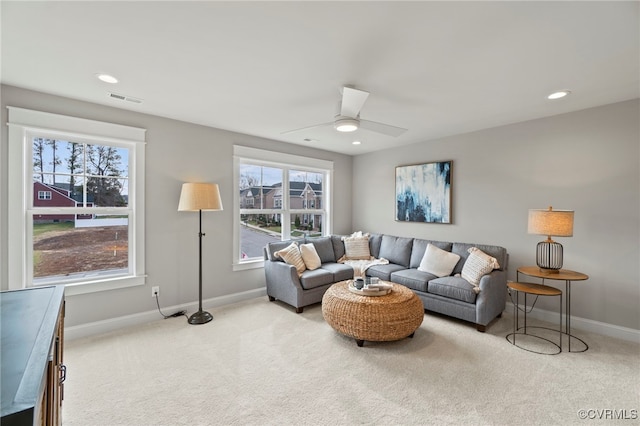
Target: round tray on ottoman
[{"x": 377, "y": 319}]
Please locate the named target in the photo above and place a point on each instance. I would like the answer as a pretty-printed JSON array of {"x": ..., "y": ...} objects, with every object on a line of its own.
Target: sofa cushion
[
  {"x": 338, "y": 246},
  {"x": 413, "y": 279},
  {"x": 437, "y": 261},
  {"x": 324, "y": 248},
  {"x": 452, "y": 287},
  {"x": 396, "y": 249},
  {"x": 310, "y": 256},
  {"x": 374, "y": 244},
  {"x": 477, "y": 265},
  {"x": 462, "y": 249},
  {"x": 356, "y": 246},
  {"x": 383, "y": 271},
  {"x": 420, "y": 246},
  {"x": 340, "y": 271},
  {"x": 291, "y": 255},
  {"x": 315, "y": 278}
]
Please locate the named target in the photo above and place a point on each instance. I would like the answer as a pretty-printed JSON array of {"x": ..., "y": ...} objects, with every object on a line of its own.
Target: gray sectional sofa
[{"x": 448, "y": 295}]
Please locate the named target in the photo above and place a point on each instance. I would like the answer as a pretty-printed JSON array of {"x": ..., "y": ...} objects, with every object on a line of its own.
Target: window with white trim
[
  {"x": 290, "y": 200},
  {"x": 44, "y": 195},
  {"x": 84, "y": 228}
]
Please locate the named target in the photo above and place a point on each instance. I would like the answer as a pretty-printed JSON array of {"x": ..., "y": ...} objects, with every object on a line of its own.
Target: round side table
[
  {"x": 561, "y": 275},
  {"x": 535, "y": 290}
]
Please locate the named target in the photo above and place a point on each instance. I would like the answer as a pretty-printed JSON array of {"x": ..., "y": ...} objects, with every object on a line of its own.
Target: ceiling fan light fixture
[{"x": 346, "y": 124}]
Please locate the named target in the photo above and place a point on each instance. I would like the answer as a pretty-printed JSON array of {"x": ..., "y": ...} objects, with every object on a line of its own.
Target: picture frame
[{"x": 423, "y": 192}]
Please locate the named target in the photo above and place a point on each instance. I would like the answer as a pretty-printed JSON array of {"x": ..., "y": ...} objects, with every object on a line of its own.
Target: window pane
[
  {"x": 305, "y": 224},
  {"x": 256, "y": 230},
  {"x": 305, "y": 189},
  {"x": 66, "y": 246},
  {"x": 260, "y": 187}
]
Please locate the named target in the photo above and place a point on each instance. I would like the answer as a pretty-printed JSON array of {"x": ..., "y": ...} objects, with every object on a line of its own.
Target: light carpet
[{"x": 260, "y": 363}]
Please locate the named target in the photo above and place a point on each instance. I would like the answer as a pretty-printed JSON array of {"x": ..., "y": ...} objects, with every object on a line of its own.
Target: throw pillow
[
  {"x": 310, "y": 256},
  {"x": 291, "y": 255},
  {"x": 438, "y": 262},
  {"x": 356, "y": 246},
  {"x": 477, "y": 265}
]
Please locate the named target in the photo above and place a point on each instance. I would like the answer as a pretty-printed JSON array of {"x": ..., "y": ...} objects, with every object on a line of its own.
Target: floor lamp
[{"x": 198, "y": 197}]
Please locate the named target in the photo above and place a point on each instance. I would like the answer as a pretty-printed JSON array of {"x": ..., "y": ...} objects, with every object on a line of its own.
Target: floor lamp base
[{"x": 200, "y": 317}]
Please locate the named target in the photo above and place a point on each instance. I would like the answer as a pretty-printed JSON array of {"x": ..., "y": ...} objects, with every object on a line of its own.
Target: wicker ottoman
[{"x": 373, "y": 318}]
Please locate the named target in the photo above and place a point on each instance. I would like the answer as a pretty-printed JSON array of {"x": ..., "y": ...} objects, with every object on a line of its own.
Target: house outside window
[
  {"x": 89, "y": 234},
  {"x": 287, "y": 190}
]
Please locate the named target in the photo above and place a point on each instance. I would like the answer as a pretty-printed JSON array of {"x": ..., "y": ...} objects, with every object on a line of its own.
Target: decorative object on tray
[
  {"x": 377, "y": 289},
  {"x": 423, "y": 192}
]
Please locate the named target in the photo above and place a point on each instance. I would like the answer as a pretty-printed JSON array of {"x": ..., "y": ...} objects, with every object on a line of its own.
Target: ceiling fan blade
[
  {"x": 352, "y": 101},
  {"x": 307, "y": 128},
  {"x": 385, "y": 129}
]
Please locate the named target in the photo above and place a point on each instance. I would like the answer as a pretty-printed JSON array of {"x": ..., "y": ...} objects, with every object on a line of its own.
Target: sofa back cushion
[
  {"x": 338, "y": 246},
  {"x": 374, "y": 244},
  {"x": 420, "y": 246},
  {"x": 462, "y": 249},
  {"x": 396, "y": 249},
  {"x": 324, "y": 248}
]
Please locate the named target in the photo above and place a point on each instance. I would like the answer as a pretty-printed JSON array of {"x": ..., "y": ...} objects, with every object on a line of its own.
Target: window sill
[
  {"x": 103, "y": 285},
  {"x": 248, "y": 265}
]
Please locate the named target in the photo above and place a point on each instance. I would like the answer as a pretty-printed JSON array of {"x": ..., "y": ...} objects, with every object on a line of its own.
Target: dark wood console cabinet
[{"x": 32, "y": 369}]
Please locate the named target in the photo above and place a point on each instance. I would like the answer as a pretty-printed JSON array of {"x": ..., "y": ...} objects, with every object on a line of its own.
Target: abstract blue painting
[{"x": 423, "y": 193}]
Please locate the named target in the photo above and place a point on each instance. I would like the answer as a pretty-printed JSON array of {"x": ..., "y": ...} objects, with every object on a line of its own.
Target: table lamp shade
[
  {"x": 199, "y": 196},
  {"x": 557, "y": 223}
]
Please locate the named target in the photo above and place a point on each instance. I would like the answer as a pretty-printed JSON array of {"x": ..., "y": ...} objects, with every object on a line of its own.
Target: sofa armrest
[
  {"x": 492, "y": 298},
  {"x": 281, "y": 277}
]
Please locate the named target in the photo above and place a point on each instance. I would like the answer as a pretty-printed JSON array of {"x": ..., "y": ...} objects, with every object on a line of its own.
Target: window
[
  {"x": 290, "y": 198},
  {"x": 84, "y": 228}
]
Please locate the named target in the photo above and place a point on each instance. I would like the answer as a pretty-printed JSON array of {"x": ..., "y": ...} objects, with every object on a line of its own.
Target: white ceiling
[{"x": 263, "y": 68}]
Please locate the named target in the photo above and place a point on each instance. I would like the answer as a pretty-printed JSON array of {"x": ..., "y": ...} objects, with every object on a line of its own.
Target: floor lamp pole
[{"x": 200, "y": 317}]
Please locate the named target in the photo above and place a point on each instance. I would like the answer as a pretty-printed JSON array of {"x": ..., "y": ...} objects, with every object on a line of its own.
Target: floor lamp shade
[
  {"x": 199, "y": 197},
  {"x": 552, "y": 223}
]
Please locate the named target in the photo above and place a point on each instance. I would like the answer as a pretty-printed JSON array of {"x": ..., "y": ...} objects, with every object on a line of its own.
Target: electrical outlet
[{"x": 155, "y": 291}]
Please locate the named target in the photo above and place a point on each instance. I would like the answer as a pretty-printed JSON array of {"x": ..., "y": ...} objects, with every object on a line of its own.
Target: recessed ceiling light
[
  {"x": 356, "y": 143},
  {"x": 559, "y": 94},
  {"x": 107, "y": 78}
]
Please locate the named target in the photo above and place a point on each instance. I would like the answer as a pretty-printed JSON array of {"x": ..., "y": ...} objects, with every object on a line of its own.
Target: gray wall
[
  {"x": 175, "y": 152},
  {"x": 587, "y": 161}
]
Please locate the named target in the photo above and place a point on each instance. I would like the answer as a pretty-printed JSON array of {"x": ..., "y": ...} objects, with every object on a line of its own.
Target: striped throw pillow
[
  {"x": 356, "y": 246},
  {"x": 476, "y": 266},
  {"x": 291, "y": 255}
]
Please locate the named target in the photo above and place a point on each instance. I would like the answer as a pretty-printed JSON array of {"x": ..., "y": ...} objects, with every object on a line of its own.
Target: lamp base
[
  {"x": 200, "y": 317},
  {"x": 549, "y": 256}
]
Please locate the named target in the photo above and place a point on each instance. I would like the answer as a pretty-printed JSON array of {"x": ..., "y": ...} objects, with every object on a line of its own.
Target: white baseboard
[
  {"x": 584, "y": 324},
  {"x": 98, "y": 327}
]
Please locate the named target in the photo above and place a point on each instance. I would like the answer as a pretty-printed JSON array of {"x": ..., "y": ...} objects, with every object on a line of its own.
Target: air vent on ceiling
[{"x": 125, "y": 98}]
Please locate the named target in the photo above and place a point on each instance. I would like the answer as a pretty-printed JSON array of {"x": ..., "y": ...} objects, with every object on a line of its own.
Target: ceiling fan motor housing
[{"x": 346, "y": 124}]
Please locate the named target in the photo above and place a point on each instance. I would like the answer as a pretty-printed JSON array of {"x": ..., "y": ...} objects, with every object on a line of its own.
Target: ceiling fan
[{"x": 348, "y": 118}]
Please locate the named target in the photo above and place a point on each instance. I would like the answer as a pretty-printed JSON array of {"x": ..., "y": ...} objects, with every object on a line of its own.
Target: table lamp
[
  {"x": 198, "y": 197},
  {"x": 557, "y": 223}
]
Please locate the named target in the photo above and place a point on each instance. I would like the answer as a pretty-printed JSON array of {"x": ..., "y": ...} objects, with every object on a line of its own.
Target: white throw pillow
[
  {"x": 291, "y": 255},
  {"x": 477, "y": 265},
  {"x": 310, "y": 256},
  {"x": 356, "y": 246},
  {"x": 438, "y": 262}
]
